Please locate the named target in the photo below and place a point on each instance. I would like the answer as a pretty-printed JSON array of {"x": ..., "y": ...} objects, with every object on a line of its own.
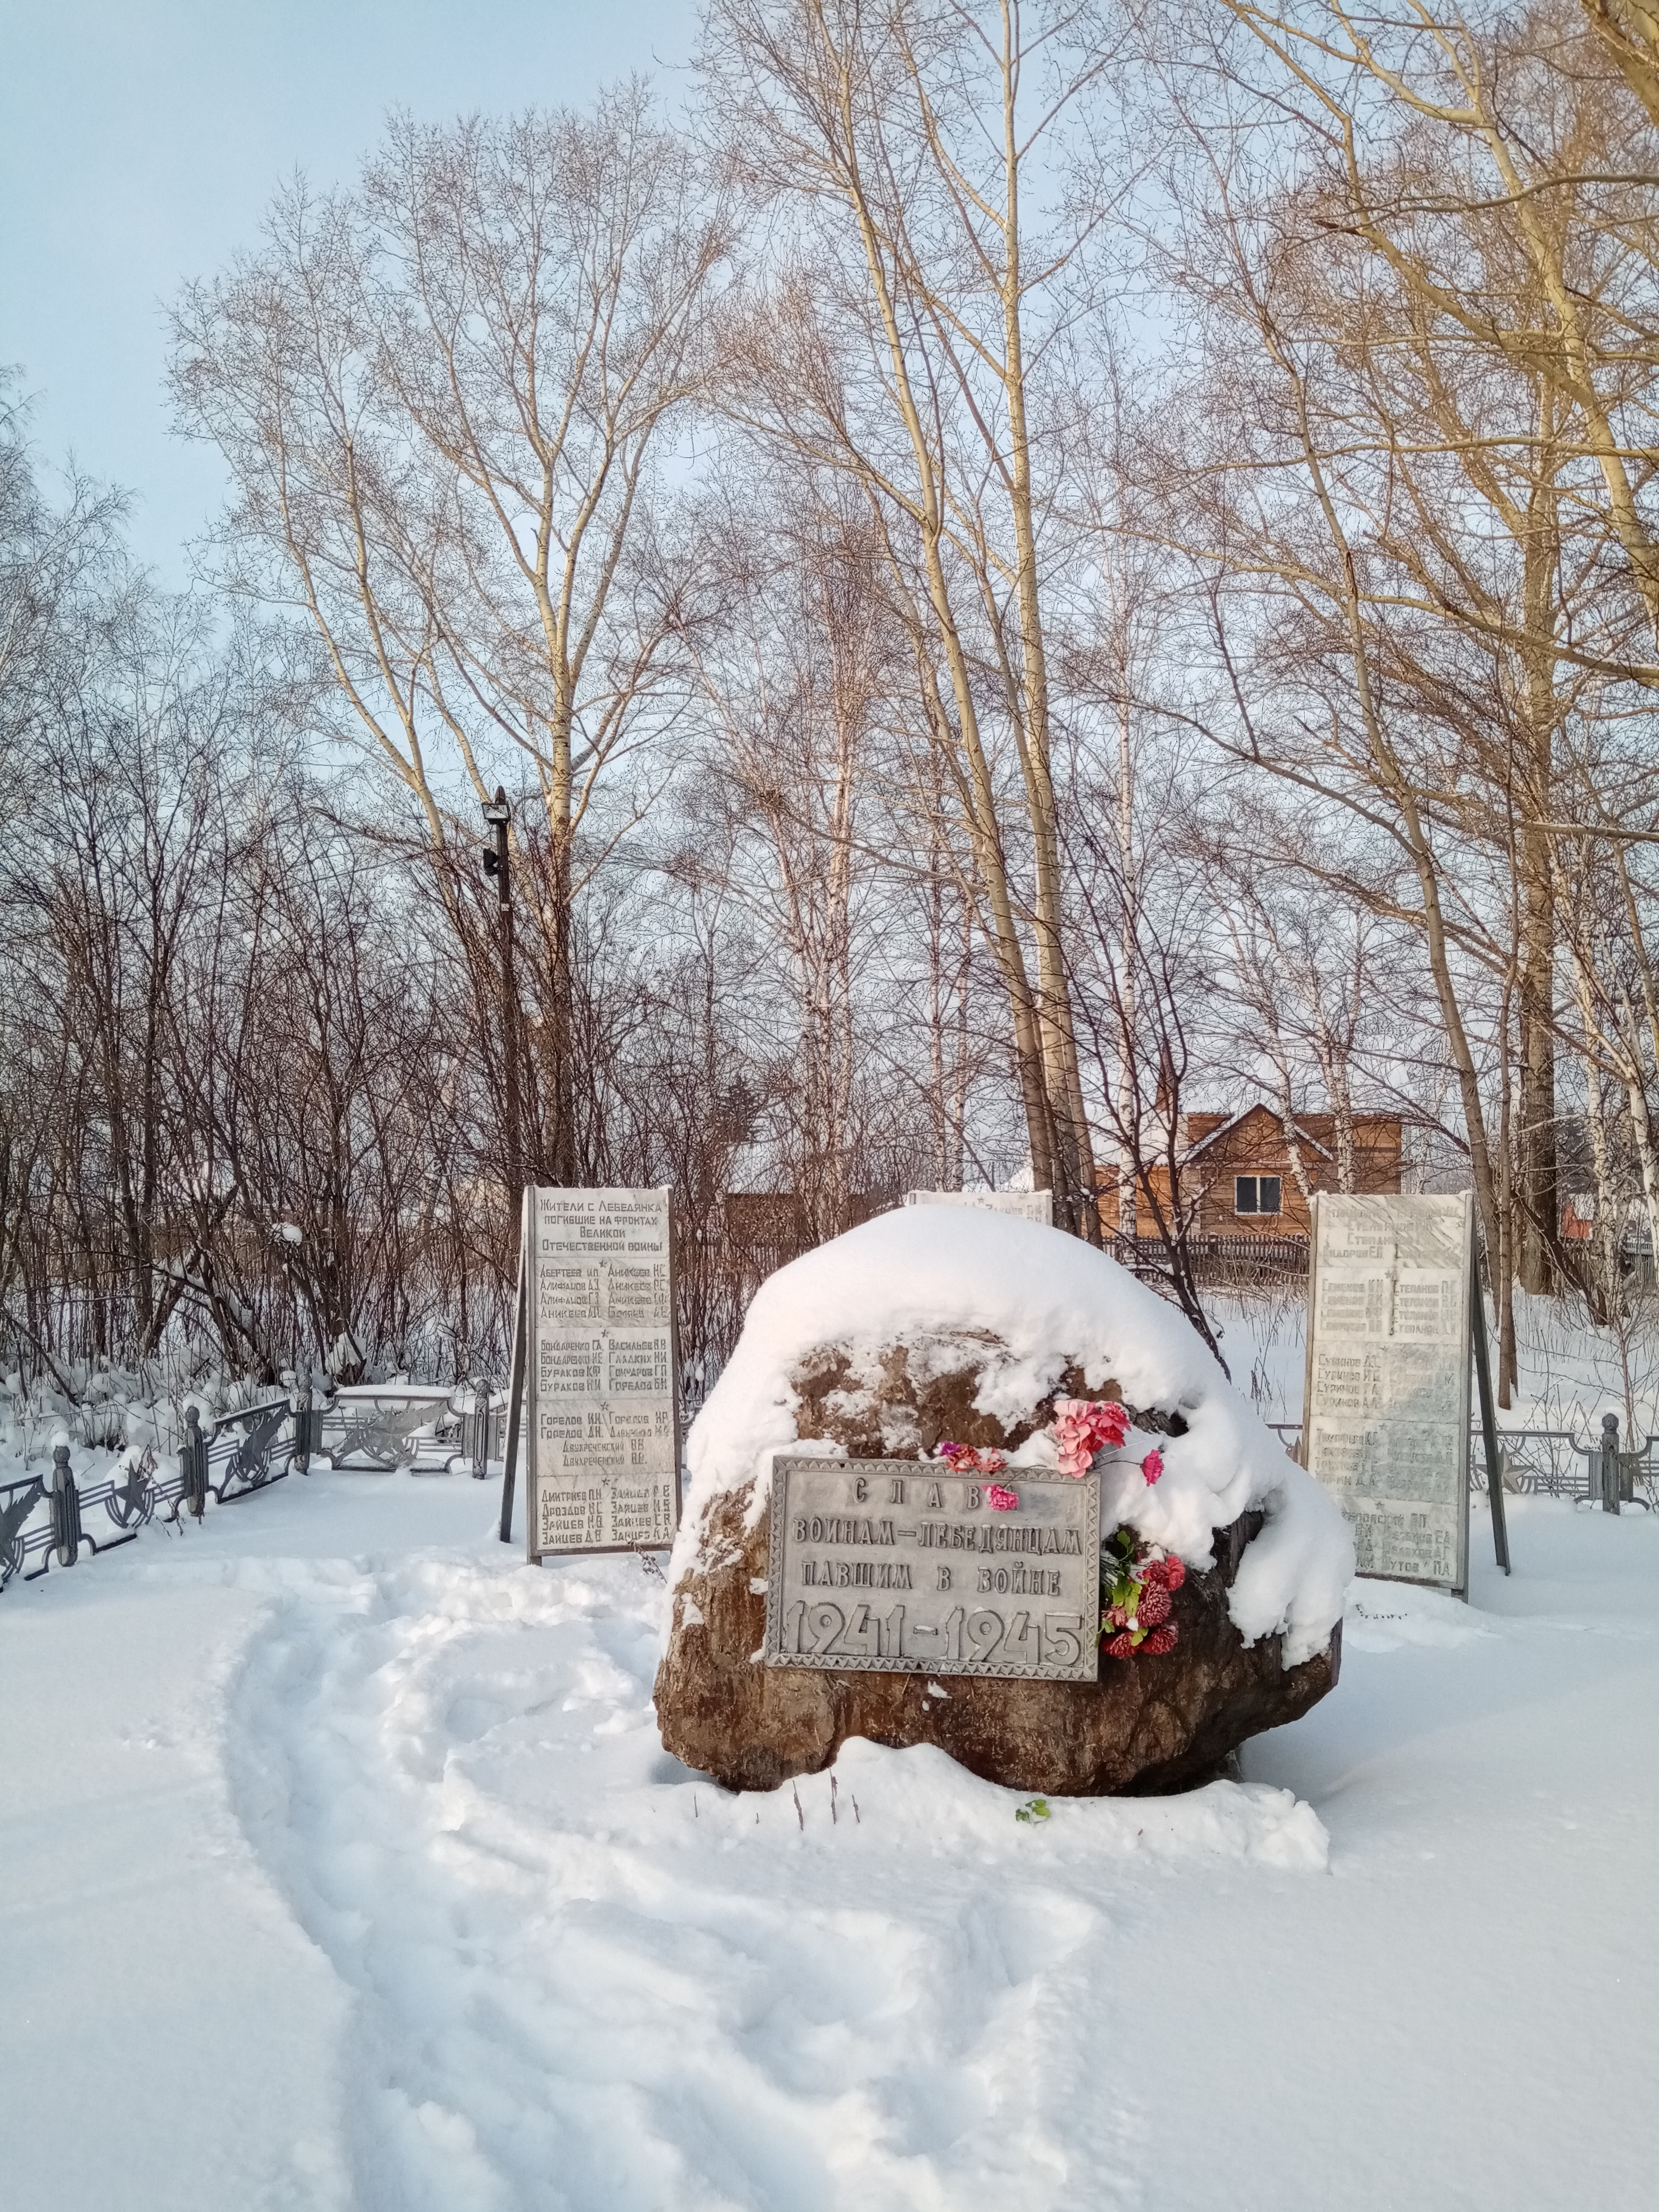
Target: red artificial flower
[
  {"x": 1152, "y": 1466},
  {"x": 1153, "y": 1605},
  {"x": 1170, "y": 1571},
  {"x": 1122, "y": 1647},
  {"x": 1161, "y": 1640}
]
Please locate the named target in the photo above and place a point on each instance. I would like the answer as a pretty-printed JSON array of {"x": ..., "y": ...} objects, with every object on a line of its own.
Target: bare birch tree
[
  {"x": 1424, "y": 583},
  {"x": 908, "y": 340},
  {"x": 792, "y": 679},
  {"x": 440, "y": 397}
]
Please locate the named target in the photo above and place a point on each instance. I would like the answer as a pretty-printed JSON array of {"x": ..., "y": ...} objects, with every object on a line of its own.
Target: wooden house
[
  {"x": 1239, "y": 1177},
  {"x": 1577, "y": 1220}
]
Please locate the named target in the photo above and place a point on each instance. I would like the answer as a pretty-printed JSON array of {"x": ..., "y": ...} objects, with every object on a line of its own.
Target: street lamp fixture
[{"x": 498, "y": 813}]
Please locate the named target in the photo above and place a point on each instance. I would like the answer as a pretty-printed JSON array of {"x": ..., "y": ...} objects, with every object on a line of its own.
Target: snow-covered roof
[
  {"x": 1045, "y": 1299},
  {"x": 1256, "y": 1106}
]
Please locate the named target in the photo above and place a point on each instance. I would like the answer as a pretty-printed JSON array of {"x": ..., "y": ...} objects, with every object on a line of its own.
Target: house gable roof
[{"x": 1243, "y": 1115}]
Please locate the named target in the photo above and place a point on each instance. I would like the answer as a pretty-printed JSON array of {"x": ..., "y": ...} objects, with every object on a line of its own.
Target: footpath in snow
[{"x": 341, "y": 1866}]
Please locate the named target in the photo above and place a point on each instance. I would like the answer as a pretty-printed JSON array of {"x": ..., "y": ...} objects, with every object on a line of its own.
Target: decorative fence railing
[
  {"x": 1244, "y": 1262},
  {"x": 48, "y": 1519},
  {"x": 1553, "y": 1463}
]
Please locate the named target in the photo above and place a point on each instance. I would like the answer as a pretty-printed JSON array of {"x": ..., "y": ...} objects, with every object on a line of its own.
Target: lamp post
[{"x": 498, "y": 813}]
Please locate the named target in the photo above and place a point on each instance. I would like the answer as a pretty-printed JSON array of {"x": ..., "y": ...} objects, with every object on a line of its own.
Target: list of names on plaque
[
  {"x": 1036, "y": 1205},
  {"x": 1387, "y": 1419},
  {"x": 901, "y": 1566},
  {"x": 604, "y": 1448}
]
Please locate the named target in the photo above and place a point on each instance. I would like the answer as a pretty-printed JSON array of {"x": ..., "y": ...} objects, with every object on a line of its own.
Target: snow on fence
[{"x": 44, "y": 1519}]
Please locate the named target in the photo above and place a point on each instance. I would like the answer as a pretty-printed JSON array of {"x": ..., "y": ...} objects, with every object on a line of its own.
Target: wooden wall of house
[{"x": 1222, "y": 1148}]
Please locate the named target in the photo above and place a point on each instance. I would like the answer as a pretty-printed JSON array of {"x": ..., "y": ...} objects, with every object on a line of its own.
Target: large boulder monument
[{"x": 966, "y": 1482}]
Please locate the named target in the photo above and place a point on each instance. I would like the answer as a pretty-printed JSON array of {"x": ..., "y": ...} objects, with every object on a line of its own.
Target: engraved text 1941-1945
[{"x": 902, "y": 1566}]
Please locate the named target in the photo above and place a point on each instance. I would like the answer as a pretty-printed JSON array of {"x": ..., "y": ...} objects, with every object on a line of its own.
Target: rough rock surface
[{"x": 1149, "y": 1725}]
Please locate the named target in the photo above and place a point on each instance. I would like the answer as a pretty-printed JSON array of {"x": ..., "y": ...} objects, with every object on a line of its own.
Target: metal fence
[
  {"x": 52, "y": 1520},
  {"x": 1221, "y": 1263},
  {"x": 1552, "y": 1464}
]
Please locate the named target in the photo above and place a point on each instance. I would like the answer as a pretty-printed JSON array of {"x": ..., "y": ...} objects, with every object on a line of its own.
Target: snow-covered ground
[{"x": 342, "y": 1866}]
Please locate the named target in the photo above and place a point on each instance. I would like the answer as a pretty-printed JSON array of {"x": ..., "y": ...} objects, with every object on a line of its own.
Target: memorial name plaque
[
  {"x": 1386, "y": 1422},
  {"x": 901, "y": 1566},
  {"x": 601, "y": 1396},
  {"x": 1036, "y": 1205}
]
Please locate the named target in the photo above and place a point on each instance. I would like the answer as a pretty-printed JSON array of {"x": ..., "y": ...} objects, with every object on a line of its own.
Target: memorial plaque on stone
[
  {"x": 1386, "y": 1421},
  {"x": 902, "y": 1567},
  {"x": 601, "y": 1396}
]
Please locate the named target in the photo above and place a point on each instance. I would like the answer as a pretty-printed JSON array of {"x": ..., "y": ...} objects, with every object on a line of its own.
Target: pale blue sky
[{"x": 140, "y": 140}]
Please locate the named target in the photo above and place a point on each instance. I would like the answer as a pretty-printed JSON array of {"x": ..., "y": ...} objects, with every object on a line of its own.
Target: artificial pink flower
[
  {"x": 1082, "y": 1426},
  {"x": 999, "y": 1499},
  {"x": 1152, "y": 1466},
  {"x": 963, "y": 1459}
]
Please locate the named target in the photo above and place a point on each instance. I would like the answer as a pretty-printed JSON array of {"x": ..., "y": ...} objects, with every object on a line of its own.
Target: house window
[{"x": 1256, "y": 1193}]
